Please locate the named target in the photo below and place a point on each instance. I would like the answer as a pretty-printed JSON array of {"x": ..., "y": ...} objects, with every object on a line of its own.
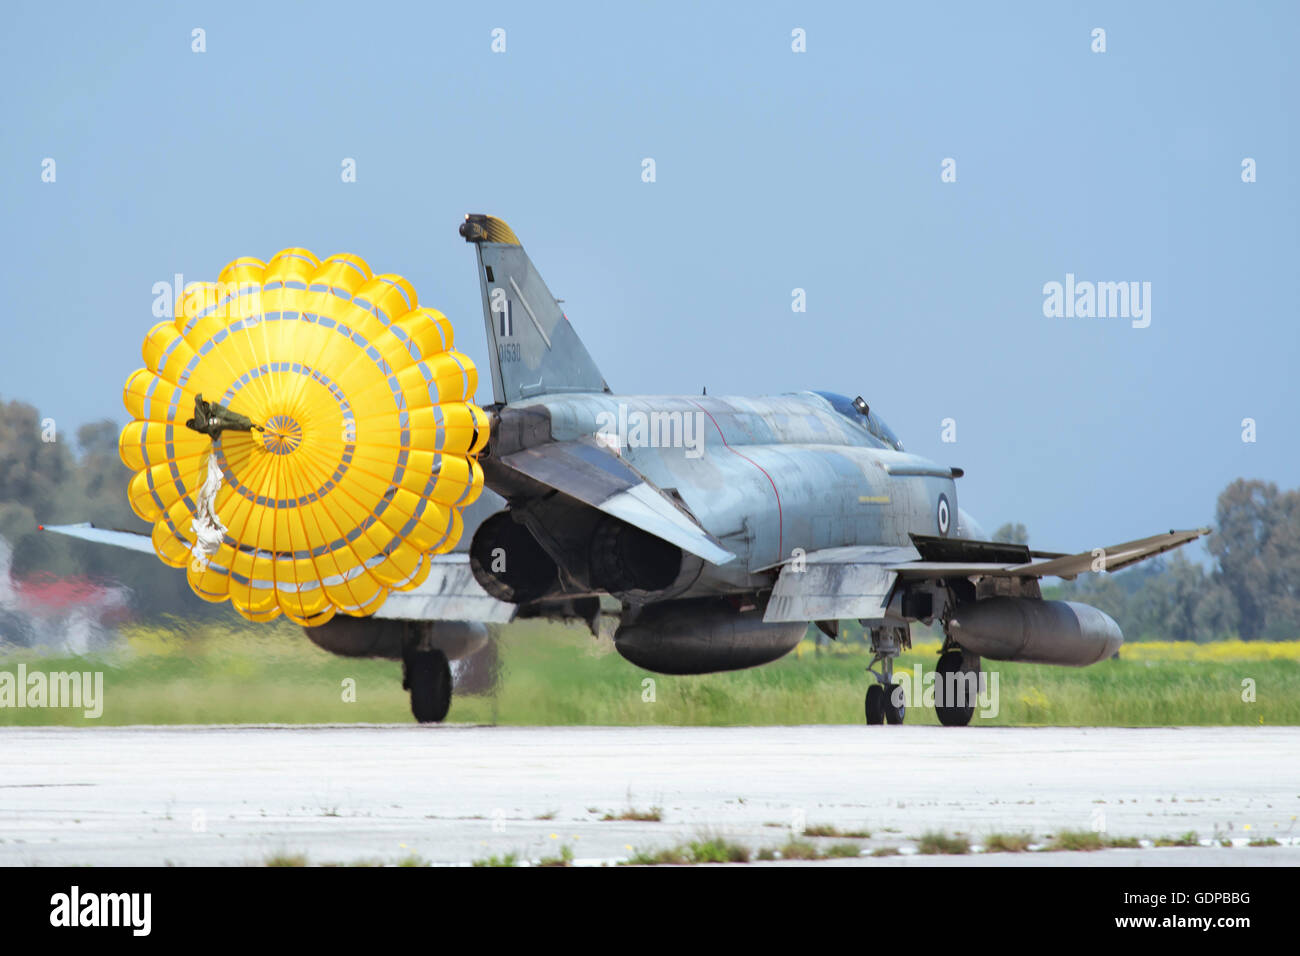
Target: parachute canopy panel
[{"x": 303, "y": 437}]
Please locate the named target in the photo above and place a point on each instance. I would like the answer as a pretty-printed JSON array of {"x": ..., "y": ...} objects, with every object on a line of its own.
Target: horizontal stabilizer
[
  {"x": 449, "y": 593},
  {"x": 132, "y": 540}
]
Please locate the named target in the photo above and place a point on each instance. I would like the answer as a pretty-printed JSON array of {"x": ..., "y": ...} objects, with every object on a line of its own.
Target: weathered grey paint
[{"x": 772, "y": 475}]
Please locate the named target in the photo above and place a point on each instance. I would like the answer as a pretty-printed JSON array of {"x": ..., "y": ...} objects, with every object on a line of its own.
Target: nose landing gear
[{"x": 885, "y": 703}]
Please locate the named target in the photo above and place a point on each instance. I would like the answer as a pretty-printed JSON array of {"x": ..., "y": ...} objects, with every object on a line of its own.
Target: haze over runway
[{"x": 454, "y": 794}]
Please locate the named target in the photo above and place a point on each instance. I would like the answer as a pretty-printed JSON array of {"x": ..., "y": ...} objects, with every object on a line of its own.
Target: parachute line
[{"x": 208, "y": 530}]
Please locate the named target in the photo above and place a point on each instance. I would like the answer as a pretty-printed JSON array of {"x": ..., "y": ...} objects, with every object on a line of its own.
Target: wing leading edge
[
  {"x": 856, "y": 582},
  {"x": 1040, "y": 565}
]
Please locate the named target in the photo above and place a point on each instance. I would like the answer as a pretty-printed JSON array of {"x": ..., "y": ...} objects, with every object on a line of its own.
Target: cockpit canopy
[{"x": 869, "y": 421}]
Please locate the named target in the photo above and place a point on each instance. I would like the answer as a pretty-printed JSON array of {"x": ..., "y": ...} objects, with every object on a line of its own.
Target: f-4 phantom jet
[{"x": 708, "y": 532}]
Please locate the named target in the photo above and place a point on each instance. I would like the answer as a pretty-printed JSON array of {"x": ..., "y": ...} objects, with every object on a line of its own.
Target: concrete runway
[{"x": 453, "y": 794}]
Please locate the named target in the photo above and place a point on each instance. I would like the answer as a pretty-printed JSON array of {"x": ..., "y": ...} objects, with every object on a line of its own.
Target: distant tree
[
  {"x": 1172, "y": 598},
  {"x": 1162, "y": 599},
  {"x": 1257, "y": 547},
  {"x": 53, "y": 482},
  {"x": 1011, "y": 533},
  {"x": 1216, "y": 612},
  {"x": 32, "y": 470},
  {"x": 1253, "y": 591},
  {"x": 1105, "y": 592},
  {"x": 33, "y": 475},
  {"x": 1282, "y": 617}
]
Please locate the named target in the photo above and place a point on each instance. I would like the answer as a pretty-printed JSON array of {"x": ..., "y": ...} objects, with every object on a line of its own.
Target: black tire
[
  {"x": 428, "y": 675},
  {"x": 895, "y": 707},
  {"x": 875, "y": 704},
  {"x": 952, "y": 713}
]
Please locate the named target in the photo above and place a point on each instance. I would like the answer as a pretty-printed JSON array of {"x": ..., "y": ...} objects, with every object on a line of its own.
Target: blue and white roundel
[{"x": 945, "y": 516}]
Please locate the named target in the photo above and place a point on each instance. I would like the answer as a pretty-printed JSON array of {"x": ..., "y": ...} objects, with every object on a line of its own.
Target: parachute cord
[{"x": 208, "y": 530}]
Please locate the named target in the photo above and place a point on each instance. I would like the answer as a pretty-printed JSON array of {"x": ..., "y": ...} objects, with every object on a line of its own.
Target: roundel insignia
[{"x": 945, "y": 515}]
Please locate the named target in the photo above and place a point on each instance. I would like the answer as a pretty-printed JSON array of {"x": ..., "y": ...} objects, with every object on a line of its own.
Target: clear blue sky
[{"x": 775, "y": 170}]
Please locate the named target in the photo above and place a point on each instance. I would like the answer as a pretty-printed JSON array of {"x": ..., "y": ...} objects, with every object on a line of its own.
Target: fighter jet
[{"x": 707, "y": 533}]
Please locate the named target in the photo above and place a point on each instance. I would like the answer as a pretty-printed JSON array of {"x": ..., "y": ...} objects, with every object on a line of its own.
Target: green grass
[
  {"x": 1077, "y": 840},
  {"x": 934, "y": 842},
  {"x": 1008, "y": 842},
  {"x": 561, "y": 675},
  {"x": 564, "y": 859},
  {"x": 1089, "y": 840},
  {"x": 844, "y": 850},
  {"x": 507, "y": 859},
  {"x": 718, "y": 850},
  {"x": 652, "y": 815},
  {"x": 1187, "y": 839},
  {"x": 800, "y": 850},
  {"x": 668, "y": 856},
  {"x": 705, "y": 850},
  {"x": 827, "y": 830}
]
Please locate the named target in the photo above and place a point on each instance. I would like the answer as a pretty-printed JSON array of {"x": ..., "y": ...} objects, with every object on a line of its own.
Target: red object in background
[{"x": 44, "y": 593}]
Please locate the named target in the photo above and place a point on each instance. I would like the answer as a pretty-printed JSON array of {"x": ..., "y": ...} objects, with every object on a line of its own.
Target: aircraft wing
[
  {"x": 449, "y": 593},
  {"x": 856, "y": 582},
  {"x": 603, "y": 480},
  {"x": 952, "y": 557}
]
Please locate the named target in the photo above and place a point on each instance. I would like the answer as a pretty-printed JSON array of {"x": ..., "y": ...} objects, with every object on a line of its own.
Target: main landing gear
[
  {"x": 427, "y": 675},
  {"x": 885, "y": 703},
  {"x": 956, "y": 681},
  {"x": 956, "y": 686}
]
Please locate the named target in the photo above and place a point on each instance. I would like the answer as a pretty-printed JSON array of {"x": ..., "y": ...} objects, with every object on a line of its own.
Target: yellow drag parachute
[{"x": 361, "y": 451}]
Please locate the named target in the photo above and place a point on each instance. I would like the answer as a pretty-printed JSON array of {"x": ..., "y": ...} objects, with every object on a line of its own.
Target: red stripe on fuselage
[{"x": 780, "y": 525}]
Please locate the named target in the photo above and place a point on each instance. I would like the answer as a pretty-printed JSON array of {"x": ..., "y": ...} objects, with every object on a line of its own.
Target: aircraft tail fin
[{"x": 534, "y": 349}]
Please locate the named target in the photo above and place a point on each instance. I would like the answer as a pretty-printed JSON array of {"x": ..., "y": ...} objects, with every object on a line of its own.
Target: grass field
[{"x": 557, "y": 675}]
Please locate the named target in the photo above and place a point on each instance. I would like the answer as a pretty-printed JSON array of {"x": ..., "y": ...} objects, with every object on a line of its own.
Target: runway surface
[{"x": 454, "y": 794}]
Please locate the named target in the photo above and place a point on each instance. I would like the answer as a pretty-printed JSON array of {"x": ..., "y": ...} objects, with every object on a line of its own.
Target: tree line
[
  {"x": 47, "y": 477},
  {"x": 1251, "y": 590}
]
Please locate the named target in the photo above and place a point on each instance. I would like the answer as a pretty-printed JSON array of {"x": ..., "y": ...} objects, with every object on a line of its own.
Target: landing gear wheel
[
  {"x": 875, "y": 704},
  {"x": 428, "y": 677},
  {"x": 885, "y": 698},
  {"x": 895, "y": 707},
  {"x": 958, "y": 711}
]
